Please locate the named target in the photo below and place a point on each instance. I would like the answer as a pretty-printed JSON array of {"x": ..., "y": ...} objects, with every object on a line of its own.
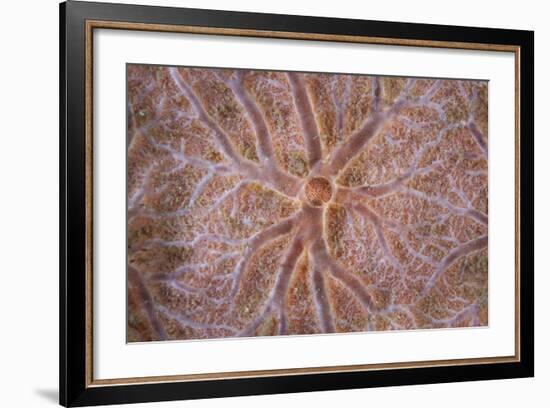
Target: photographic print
[
  {"x": 266, "y": 203},
  {"x": 292, "y": 204}
]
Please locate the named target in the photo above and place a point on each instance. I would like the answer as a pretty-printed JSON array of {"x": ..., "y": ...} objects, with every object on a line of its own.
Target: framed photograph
[{"x": 257, "y": 204}]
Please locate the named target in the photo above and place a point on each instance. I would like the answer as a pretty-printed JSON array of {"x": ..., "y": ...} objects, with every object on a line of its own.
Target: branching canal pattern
[{"x": 271, "y": 203}]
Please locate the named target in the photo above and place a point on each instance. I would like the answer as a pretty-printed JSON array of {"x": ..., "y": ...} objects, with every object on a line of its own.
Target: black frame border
[{"x": 72, "y": 147}]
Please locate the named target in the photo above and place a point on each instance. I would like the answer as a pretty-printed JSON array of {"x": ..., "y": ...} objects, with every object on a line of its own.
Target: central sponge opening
[{"x": 318, "y": 191}]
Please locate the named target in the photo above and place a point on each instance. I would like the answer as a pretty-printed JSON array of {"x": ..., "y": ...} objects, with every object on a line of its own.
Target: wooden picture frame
[{"x": 79, "y": 387}]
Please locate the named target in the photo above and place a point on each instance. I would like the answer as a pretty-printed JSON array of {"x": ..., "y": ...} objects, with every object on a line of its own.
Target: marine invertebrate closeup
[{"x": 271, "y": 203}]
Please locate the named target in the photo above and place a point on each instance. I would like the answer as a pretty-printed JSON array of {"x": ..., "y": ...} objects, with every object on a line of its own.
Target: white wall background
[{"x": 29, "y": 201}]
